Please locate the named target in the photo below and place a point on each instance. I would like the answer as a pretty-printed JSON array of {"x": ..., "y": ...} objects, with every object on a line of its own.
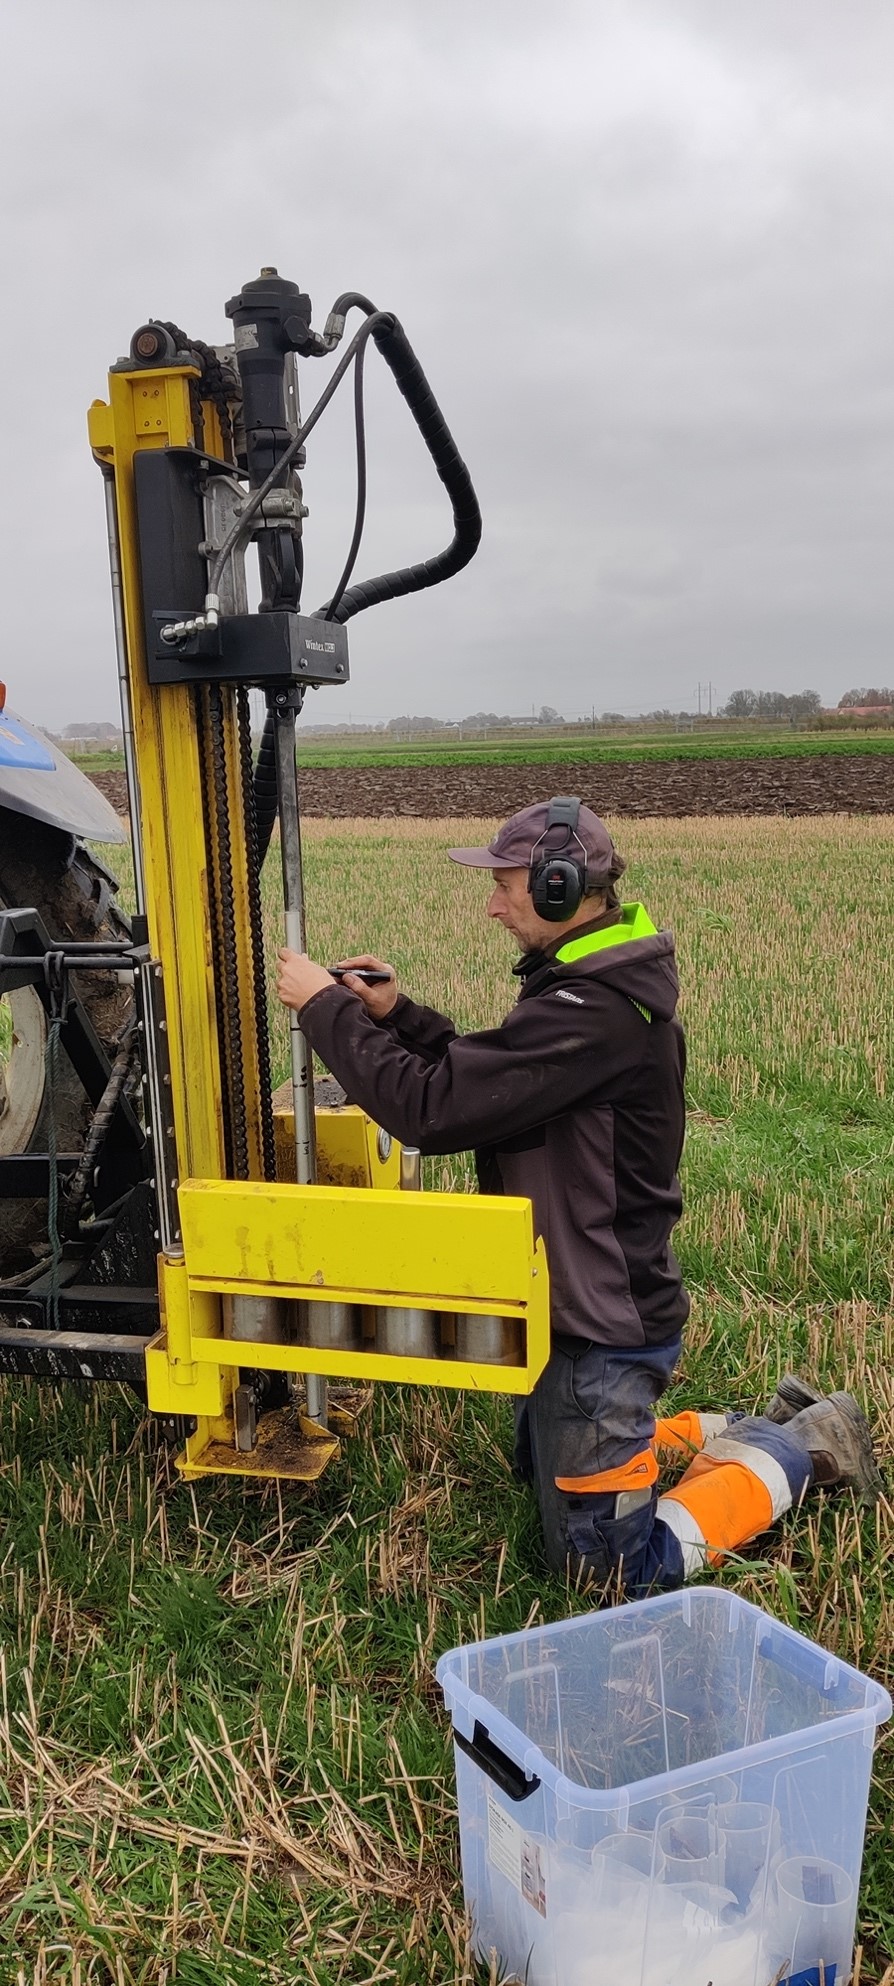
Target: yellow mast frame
[{"x": 359, "y": 1242}]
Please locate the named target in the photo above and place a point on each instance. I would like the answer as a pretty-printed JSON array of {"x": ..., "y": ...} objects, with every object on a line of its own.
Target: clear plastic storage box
[{"x": 669, "y": 1793}]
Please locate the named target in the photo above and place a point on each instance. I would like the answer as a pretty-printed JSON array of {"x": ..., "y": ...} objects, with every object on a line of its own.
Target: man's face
[{"x": 510, "y": 903}]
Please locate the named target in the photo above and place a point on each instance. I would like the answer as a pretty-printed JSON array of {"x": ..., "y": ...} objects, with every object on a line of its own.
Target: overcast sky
[{"x": 645, "y": 252}]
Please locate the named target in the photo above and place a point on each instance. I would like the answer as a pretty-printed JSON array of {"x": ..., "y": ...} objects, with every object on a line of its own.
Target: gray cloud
[{"x": 644, "y": 252}]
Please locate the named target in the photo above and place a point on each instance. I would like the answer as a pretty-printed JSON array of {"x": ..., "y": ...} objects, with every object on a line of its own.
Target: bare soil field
[{"x": 821, "y": 785}]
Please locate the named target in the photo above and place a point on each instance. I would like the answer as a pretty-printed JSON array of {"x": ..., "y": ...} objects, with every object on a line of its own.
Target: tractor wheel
[{"x": 46, "y": 869}]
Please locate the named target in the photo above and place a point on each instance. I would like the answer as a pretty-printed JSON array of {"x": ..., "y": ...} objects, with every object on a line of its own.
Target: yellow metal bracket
[
  {"x": 351, "y": 1149},
  {"x": 447, "y": 1252}
]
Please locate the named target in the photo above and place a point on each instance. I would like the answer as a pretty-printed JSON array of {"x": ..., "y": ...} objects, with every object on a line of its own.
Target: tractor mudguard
[{"x": 37, "y": 779}]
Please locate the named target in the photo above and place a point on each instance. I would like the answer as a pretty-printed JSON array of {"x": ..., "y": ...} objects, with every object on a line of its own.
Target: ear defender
[{"x": 557, "y": 879}]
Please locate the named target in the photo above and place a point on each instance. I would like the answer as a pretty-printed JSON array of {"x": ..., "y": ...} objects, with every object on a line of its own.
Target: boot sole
[
  {"x": 792, "y": 1395},
  {"x": 866, "y": 1476}
]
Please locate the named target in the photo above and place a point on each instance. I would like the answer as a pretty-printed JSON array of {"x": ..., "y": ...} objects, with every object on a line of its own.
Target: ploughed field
[
  {"x": 821, "y": 783},
  {"x": 222, "y": 1754}
]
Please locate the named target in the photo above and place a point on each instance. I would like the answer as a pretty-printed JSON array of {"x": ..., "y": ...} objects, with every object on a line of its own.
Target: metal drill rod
[
  {"x": 296, "y": 935},
  {"x": 296, "y": 940},
  {"x": 127, "y": 730}
]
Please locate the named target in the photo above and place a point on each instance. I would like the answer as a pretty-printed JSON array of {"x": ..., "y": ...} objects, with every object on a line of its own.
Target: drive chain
[
  {"x": 217, "y": 384},
  {"x": 229, "y": 947},
  {"x": 262, "y": 1025},
  {"x": 214, "y": 909}
]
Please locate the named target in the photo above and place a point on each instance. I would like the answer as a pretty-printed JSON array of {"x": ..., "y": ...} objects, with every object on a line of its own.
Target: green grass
[
  {"x": 100, "y": 761},
  {"x": 222, "y": 1755},
  {"x": 561, "y": 752},
  {"x": 531, "y": 749}
]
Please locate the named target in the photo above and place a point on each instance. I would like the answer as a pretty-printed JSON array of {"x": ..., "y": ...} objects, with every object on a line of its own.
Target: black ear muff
[{"x": 556, "y": 877}]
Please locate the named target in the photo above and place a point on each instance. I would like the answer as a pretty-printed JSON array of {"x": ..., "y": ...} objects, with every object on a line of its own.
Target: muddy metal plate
[{"x": 281, "y": 1450}]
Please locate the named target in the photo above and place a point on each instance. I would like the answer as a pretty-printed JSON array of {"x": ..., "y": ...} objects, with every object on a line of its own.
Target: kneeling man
[{"x": 576, "y": 1102}]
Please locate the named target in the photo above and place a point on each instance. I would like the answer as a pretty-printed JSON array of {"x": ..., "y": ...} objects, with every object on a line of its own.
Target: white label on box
[{"x": 517, "y": 1855}]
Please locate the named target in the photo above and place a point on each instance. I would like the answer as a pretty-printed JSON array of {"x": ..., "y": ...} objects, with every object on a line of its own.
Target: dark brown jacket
[{"x": 575, "y": 1102}]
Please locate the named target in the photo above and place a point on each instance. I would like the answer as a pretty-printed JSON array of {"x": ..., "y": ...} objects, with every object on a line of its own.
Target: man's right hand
[{"x": 378, "y": 1000}]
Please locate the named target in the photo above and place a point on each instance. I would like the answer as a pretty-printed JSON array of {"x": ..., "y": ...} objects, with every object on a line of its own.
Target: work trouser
[{"x": 588, "y": 1439}]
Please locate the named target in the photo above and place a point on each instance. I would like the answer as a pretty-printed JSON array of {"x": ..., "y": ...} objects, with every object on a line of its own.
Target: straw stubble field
[{"x": 222, "y": 1753}]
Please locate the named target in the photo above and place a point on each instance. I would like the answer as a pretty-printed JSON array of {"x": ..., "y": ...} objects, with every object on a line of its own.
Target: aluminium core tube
[{"x": 408, "y": 1333}]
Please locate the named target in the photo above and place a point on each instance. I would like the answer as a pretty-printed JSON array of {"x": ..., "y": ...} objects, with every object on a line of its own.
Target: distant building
[
  {"x": 861, "y": 710},
  {"x": 105, "y": 734}
]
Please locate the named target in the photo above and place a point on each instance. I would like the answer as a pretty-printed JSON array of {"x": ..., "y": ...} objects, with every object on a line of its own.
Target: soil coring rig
[{"x": 163, "y": 1221}]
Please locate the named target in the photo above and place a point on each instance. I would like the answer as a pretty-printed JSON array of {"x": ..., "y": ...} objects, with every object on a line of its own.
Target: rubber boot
[
  {"x": 792, "y": 1395},
  {"x": 836, "y": 1435}
]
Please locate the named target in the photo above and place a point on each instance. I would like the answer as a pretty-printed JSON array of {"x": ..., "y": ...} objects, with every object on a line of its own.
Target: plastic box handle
[
  {"x": 504, "y": 1772},
  {"x": 811, "y": 1665}
]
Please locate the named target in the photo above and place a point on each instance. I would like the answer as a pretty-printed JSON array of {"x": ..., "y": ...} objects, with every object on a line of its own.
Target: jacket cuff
[{"x": 316, "y": 1005}]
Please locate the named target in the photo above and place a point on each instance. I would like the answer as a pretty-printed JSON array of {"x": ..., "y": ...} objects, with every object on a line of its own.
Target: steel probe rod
[
  {"x": 296, "y": 938},
  {"x": 127, "y": 731}
]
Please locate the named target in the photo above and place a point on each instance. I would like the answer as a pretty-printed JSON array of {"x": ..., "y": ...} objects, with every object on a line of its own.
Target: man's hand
[
  {"x": 298, "y": 979},
  {"x": 378, "y": 1000}
]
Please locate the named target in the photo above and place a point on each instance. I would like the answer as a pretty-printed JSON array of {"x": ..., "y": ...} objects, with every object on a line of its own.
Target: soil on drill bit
[{"x": 826, "y": 784}]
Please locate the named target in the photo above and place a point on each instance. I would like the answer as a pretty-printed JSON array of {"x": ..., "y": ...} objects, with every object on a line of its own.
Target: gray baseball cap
[{"x": 514, "y": 842}]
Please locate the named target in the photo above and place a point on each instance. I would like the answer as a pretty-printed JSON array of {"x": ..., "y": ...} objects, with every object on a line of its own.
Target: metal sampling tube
[
  {"x": 130, "y": 760},
  {"x": 337, "y": 1326},
  {"x": 285, "y": 704},
  {"x": 489, "y": 1340},
  {"x": 408, "y": 1333}
]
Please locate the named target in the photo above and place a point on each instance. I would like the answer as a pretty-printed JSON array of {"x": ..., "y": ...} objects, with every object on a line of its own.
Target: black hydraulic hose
[
  {"x": 99, "y": 1129},
  {"x": 349, "y": 300},
  {"x": 394, "y": 345},
  {"x": 396, "y": 350},
  {"x": 360, "y": 510}
]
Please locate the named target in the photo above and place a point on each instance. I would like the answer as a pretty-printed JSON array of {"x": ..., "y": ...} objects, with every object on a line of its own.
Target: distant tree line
[
  {"x": 773, "y": 704},
  {"x": 866, "y": 700},
  {"x": 802, "y": 706},
  {"x": 769, "y": 706},
  {"x": 477, "y": 720}
]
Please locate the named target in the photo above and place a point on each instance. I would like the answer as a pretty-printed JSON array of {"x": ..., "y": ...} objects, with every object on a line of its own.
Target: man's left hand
[{"x": 298, "y": 978}]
